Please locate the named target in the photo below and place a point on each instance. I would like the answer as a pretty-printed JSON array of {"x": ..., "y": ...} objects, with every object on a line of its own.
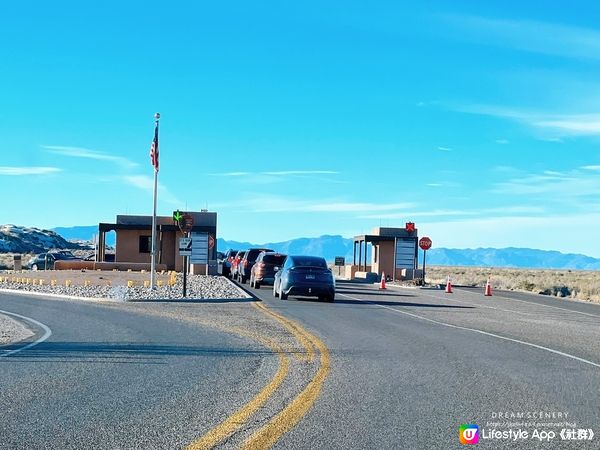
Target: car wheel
[
  {"x": 282, "y": 295},
  {"x": 34, "y": 267},
  {"x": 256, "y": 285}
]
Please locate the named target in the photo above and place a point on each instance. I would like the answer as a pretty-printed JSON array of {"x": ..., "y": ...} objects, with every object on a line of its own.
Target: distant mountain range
[
  {"x": 331, "y": 246},
  {"x": 326, "y": 246},
  {"x": 25, "y": 240},
  {"x": 84, "y": 233}
]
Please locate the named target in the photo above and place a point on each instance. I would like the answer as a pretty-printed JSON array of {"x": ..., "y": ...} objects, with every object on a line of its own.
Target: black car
[
  {"x": 305, "y": 276},
  {"x": 227, "y": 262},
  {"x": 267, "y": 264},
  {"x": 245, "y": 267},
  {"x": 45, "y": 261}
]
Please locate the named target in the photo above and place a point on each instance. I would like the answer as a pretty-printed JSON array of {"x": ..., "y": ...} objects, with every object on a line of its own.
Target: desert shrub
[{"x": 582, "y": 285}]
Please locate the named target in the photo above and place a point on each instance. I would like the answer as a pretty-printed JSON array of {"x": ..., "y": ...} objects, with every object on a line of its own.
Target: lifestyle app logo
[{"x": 468, "y": 434}]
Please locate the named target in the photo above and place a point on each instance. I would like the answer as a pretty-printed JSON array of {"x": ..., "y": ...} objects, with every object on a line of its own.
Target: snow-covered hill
[{"x": 20, "y": 239}]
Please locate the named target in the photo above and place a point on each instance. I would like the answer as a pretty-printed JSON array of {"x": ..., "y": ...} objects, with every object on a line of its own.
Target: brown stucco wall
[
  {"x": 127, "y": 248},
  {"x": 385, "y": 258}
]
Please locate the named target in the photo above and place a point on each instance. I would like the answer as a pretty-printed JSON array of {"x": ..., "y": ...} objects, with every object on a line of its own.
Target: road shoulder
[{"x": 12, "y": 331}]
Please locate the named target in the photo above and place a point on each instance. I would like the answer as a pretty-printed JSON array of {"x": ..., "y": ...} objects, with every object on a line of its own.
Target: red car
[
  {"x": 227, "y": 262},
  {"x": 235, "y": 264},
  {"x": 267, "y": 264}
]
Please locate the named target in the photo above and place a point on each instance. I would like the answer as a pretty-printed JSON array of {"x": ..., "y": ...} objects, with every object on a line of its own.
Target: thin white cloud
[
  {"x": 301, "y": 172},
  {"x": 505, "y": 169},
  {"x": 564, "y": 124},
  {"x": 146, "y": 183},
  {"x": 434, "y": 184},
  {"x": 574, "y": 124},
  {"x": 409, "y": 214},
  {"x": 502, "y": 141},
  {"x": 22, "y": 171},
  {"x": 352, "y": 207},
  {"x": 444, "y": 149},
  {"x": 508, "y": 210},
  {"x": 229, "y": 174},
  {"x": 140, "y": 181},
  {"x": 80, "y": 152},
  {"x": 260, "y": 203},
  {"x": 518, "y": 231},
  {"x": 527, "y": 35},
  {"x": 276, "y": 173},
  {"x": 552, "y": 185},
  {"x": 497, "y": 211},
  {"x": 593, "y": 167}
]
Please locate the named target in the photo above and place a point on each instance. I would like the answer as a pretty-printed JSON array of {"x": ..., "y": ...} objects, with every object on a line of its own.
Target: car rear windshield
[
  {"x": 253, "y": 254},
  {"x": 63, "y": 255},
  {"x": 308, "y": 261},
  {"x": 274, "y": 259}
]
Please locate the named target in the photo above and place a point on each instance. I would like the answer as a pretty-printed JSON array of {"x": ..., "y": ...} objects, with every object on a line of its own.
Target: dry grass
[
  {"x": 576, "y": 284},
  {"x": 6, "y": 260}
]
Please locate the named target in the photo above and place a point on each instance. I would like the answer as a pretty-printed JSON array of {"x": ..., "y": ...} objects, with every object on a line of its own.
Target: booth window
[{"x": 145, "y": 244}]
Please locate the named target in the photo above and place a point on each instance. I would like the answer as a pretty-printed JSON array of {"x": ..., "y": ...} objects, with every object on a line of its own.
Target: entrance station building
[
  {"x": 394, "y": 252},
  {"x": 134, "y": 241}
]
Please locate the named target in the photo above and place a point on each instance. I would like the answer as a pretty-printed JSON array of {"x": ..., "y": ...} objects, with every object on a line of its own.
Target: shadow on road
[
  {"x": 382, "y": 303},
  {"x": 101, "y": 352},
  {"x": 372, "y": 292}
]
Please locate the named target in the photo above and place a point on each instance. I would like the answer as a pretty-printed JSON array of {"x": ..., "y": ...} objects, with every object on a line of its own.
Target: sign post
[
  {"x": 185, "y": 260},
  {"x": 185, "y": 222},
  {"x": 425, "y": 244},
  {"x": 339, "y": 262}
]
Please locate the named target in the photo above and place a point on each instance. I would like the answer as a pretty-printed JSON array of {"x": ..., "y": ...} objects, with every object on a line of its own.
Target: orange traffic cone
[
  {"x": 382, "y": 284},
  {"x": 448, "y": 287},
  {"x": 488, "y": 289}
]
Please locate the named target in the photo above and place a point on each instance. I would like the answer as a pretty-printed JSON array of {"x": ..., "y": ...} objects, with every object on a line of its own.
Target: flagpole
[{"x": 153, "y": 260}]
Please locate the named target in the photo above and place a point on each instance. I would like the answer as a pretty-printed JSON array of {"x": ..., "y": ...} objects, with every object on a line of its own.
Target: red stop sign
[{"x": 425, "y": 243}]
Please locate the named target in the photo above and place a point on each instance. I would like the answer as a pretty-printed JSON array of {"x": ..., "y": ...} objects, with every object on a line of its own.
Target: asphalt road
[
  {"x": 409, "y": 366},
  {"x": 112, "y": 378},
  {"x": 405, "y": 369}
]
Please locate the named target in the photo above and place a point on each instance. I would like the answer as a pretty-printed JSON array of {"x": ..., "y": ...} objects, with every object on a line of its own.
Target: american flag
[{"x": 154, "y": 149}]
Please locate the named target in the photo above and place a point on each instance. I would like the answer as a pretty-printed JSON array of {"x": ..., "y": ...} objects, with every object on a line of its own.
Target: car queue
[{"x": 298, "y": 275}]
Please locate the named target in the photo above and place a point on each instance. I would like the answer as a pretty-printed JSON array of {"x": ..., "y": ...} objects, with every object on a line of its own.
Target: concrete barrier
[{"x": 367, "y": 277}]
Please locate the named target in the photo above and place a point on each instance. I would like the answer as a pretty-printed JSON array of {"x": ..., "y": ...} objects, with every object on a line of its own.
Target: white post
[
  {"x": 153, "y": 261},
  {"x": 95, "y": 242},
  {"x": 153, "y": 256}
]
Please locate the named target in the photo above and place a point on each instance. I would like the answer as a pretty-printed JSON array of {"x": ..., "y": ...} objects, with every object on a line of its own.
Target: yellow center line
[
  {"x": 289, "y": 417},
  {"x": 237, "y": 419},
  {"x": 292, "y": 328}
]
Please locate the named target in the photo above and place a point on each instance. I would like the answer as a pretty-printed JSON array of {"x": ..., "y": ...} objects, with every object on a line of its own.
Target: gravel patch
[
  {"x": 12, "y": 331},
  {"x": 199, "y": 287}
]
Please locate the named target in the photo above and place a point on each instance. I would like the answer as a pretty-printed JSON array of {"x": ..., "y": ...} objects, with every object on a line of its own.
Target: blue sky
[{"x": 479, "y": 121}]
